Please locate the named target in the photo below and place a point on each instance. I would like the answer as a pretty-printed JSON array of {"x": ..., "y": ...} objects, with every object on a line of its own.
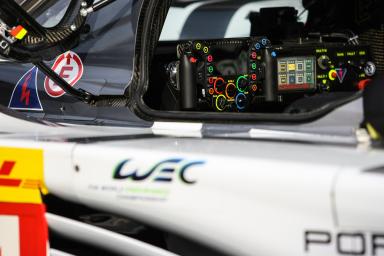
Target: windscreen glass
[
  {"x": 218, "y": 19},
  {"x": 47, "y": 13}
]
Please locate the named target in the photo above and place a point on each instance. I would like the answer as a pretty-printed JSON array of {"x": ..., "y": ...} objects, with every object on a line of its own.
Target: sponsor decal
[
  {"x": 19, "y": 32},
  {"x": 155, "y": 183},
  {"x": 163, "y": 171},
  {"x": 68, "y": 66},
  {"x": 23, "y": 227},
  {"x": 25, "y": 95},
  {"x": 341, "y": 73},
  {"x": 345, "y": 243},
  {"x": 9, "y": 235},
  {"x": 21, "y": 175}
]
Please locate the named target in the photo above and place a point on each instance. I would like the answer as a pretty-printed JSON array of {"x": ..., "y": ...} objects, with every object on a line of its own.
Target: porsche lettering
[{"x": 364, "y": 243}]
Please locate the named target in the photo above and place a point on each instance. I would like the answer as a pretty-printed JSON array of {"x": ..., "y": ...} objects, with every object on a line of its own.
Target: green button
[
  {"x": 210, "y": 69},
  {"x": 309, "y": 78},
  {"x": 254, "y": 66}
]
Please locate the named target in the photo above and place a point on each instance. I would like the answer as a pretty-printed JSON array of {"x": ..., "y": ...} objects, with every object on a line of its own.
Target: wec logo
[{"x": 164, "y": 171}]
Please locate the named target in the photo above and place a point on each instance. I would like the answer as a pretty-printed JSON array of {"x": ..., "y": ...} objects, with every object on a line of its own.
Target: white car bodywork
[{"x": 243, "y": 197}]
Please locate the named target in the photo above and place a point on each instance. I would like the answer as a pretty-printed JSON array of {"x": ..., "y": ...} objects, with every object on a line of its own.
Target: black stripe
[
  {"x": 377, "y": 170},
  {"x": 90, "y": 140}
]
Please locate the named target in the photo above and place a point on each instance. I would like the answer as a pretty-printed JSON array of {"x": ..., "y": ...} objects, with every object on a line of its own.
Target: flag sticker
[
  {"x": 19, "y": 32},
  {"x": 25, "y": 96},
  {"x": 68, "y": 66}
]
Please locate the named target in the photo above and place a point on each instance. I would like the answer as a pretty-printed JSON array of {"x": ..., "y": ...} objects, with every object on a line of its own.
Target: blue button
[
  {"x": 258, "y": 46},
  {"x": 241, "y": 101},
  {"x": 274, "y": 54},
  {"x": 264, "y": 41}
]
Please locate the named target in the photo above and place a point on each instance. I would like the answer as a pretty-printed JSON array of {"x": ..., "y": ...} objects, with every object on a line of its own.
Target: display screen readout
[{"x": 296, "y": 73}]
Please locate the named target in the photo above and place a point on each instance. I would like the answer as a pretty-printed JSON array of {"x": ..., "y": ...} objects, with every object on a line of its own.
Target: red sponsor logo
[
  {"x": 26, "y": 93},
  {"x": 5, "y": 181},
  {"x": 68, "y": 66},
  {"x": 6, "y": 169}
]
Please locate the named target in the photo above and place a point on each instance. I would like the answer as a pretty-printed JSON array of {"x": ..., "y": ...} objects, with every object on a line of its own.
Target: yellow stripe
[
  {"x": 372, "y": 132},
  {"x": 28, "y": 168}
]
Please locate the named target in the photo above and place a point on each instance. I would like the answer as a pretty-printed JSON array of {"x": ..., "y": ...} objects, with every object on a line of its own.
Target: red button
[
  {"x": 254, "y": 77},
  {"x": 210, "y": 58},
  {"x": 364, "y": 83},
  {"x": 254, "y": 55},
  {"x": 334, "y": 75}
]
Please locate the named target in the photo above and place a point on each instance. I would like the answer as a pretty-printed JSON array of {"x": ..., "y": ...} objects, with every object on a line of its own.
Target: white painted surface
[
  {"x": 260, "y": 196},
  {"x": 54, "y": 252},
  {"x": 119, "y": 244},
  {"x": 181, "y": 129},
  {"x": 360, "y": 195},
  {"x": 9, "y": 236},
  {"x": 254, "y": 194}
]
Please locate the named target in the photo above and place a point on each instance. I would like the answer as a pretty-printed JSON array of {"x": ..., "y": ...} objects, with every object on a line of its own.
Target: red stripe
[
  {"x": 7, "y": 167},
  {"x": 10, "y": 182}
]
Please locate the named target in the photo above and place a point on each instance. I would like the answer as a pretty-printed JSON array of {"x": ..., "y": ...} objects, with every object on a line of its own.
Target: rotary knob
[
  {"x": 241, "y": 101},
  {"x": 242, "y": 83},
  {"x": 370, "y": 69},
  {"x": 221, "y": 103},
  {"x": 219, "y": 85},
  {"x": 323, "y": 62}
]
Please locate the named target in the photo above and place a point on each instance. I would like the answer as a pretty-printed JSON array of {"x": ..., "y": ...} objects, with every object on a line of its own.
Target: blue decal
[{"x": 25, "y": 95}]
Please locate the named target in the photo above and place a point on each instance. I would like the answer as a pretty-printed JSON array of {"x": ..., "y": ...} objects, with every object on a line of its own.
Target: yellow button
[
  {"x": 292, "y": 67},
  {"x": 332, "y": 75}
]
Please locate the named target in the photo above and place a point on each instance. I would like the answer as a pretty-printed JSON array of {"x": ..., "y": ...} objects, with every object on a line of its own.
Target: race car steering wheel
[{"x": 23, "y": 39}]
